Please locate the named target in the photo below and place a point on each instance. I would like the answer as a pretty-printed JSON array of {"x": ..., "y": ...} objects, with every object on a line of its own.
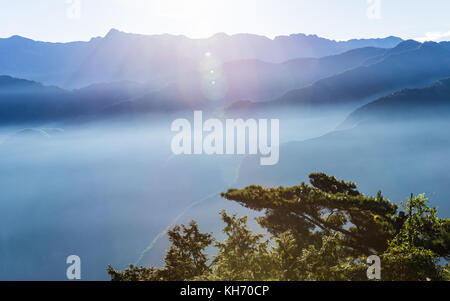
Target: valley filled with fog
[
  {"x": 87, "y": 166},
  {"x": 105, "y": 191},
  {"x": 109, "y": 190}
]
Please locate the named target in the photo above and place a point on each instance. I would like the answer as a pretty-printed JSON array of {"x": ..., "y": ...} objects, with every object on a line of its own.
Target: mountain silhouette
[
  {"x": 250, "y": 80},
  {"x": 24, "y": 101},
  {"x": 122, "y": 56},
  {"x": 246, "y": 79},
  {"x": 28, "y": 101},
  {"x": 409, "y": 68},
  {"x": 430, "y": 103},
  {"x": 348, "y": 80},
  {"x": 400, "y": 141},
  {"x": 255, "y": 80}
]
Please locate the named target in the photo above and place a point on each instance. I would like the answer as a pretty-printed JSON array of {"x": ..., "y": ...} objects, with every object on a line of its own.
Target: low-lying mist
[
  {"x": 107, "y": 191},
  {"x": 398, "y": 158}
]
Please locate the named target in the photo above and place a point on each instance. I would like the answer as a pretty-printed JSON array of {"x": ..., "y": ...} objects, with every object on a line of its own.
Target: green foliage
[
  {"x": 323, "y": 232},
  {"x": 243, "y": 256},
  {"x": 329, "y": 205},
  {"x": 413, "y": 255},
  {"x": 184, "y": 260},
  {"x": 329, "y": 262}
]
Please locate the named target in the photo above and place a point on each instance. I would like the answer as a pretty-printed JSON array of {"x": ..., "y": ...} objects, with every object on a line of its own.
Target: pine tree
[{"x": 322, "y": 231}]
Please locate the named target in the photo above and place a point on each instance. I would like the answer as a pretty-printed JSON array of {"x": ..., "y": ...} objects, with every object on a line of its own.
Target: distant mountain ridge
[
  {"x": 409, "y": 65},
  {"x": 400, "y": 140},
  {"x": 429, "y": 103},
  {"x": 250, "y": 80},
  {"x": 246, "y": 79},
  {"x": 261, "y": 81},
  {"x": 29, "y": 102},
  {"x": 349, "y": 80},
  {"x": 352, "y": 81},
  {"x": 122, "y": 56}
]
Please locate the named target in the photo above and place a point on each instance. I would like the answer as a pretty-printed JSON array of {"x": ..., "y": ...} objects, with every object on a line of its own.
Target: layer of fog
[
  {"x": 104, "y": 191},
  {"x": 398, "y": 158},
  {"x": 108, "y": 191}
]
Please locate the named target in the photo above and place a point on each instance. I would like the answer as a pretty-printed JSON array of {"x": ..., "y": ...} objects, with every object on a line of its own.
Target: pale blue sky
[{"x": 59, "y": 20}]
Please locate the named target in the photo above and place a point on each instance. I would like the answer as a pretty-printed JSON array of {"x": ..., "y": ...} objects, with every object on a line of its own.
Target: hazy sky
[{"x": 68, "y": 20}]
